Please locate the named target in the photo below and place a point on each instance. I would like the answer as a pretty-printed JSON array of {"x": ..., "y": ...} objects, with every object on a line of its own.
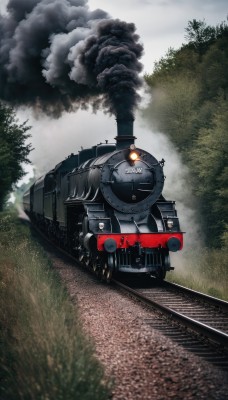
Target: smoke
[
  {"x": 57, "y": 55},
  {"x": 111, "y": 58},
  {"x": 176, "y": 185}
]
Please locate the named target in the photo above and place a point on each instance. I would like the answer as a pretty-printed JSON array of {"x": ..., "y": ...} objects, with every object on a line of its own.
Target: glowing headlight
[
  {"x": 133, "y": 156},
  {"x": 101, "y": 225},
  {"x": 169, "y": 223}
]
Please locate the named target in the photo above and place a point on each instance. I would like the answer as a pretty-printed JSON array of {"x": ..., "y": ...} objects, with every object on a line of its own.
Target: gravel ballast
[{"x": 142, "y": 363}]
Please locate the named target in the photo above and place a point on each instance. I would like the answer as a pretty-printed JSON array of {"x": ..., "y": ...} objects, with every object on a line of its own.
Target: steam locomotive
[{"x": 105, "y": 206}]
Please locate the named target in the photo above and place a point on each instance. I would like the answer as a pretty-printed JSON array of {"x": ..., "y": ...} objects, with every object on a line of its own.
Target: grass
[
  {"x": 204, "y": 270},
  {"x": 44, "y": 352}
]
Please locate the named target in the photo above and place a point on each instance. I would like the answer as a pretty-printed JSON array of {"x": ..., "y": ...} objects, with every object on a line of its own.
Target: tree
[
  {"x": 213, "y": 70},
  {"x": 189, "y": 103},
  {"x": 209, "y": 160},
  {"x": 13, "y": 150},
  {"x": 199, "y": 35}
]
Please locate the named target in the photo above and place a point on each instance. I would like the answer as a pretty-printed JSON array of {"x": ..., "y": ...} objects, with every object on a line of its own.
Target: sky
[{"x": 160, "y": 24}]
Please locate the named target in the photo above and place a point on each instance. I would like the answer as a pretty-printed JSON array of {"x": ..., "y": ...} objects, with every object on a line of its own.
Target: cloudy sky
[{"x": 160, "y": 24}]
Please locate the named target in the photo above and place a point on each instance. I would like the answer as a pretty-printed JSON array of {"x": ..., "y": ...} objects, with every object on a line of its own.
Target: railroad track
[{"x": 196, "y": 321}]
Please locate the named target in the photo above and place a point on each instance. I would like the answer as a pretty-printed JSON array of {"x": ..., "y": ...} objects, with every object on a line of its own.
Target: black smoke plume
[{"x": 57, "y": 55}]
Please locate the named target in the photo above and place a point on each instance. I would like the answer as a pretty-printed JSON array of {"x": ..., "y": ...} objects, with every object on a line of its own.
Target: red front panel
[{"x": 151, "y": 240}]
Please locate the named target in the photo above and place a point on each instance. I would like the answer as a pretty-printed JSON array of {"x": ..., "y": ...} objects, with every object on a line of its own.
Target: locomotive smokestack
[{"x": 125, "y": 135}]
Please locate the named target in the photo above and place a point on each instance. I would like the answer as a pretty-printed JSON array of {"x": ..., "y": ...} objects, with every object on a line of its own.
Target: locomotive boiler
[{"x": 105, "y": 205}]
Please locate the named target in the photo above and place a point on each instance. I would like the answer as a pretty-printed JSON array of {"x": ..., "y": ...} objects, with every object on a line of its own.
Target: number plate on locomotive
[{"x": 133, "y": 171}]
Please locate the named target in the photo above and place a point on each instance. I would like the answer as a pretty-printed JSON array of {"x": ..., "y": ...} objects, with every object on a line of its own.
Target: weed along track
[{"x": 141, "y": 360}]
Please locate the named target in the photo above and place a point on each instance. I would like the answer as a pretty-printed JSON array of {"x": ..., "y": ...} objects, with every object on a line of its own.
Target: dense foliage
[
  {"x": 189, "y": 103},
  {"x": 13, "y": 150}
]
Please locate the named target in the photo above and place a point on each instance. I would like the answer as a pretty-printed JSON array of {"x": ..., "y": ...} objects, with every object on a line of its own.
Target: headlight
[
  {"x": 169, "y": 223},
  {"x": 133, "y": 156},
  {"x": 101, "y": 225}
]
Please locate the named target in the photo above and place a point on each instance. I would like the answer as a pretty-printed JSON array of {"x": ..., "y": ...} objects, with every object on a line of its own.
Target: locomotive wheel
[
  {"x": 108, "y": 276},
  {"x": 103, "y": 273},
  {"x": 96, "y": 266},
  {"x": 87, "y": 262},
  {"x": 160, "y": 274},
  {"x": 99, "y": 273}
]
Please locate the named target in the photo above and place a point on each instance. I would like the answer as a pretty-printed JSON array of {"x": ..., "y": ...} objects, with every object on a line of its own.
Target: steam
[{"x": 57, "y": 55}]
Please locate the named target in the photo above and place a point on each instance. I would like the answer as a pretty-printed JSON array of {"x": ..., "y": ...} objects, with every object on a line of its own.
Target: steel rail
[
  {"x": 213, "y": 334},
  {"x": 202, "y": 296}
]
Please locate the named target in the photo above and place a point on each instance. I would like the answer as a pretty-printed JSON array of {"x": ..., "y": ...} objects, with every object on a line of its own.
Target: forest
[{"x": 189, "y": 103}]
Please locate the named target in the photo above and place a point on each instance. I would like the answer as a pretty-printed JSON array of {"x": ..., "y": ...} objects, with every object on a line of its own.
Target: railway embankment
[
  {"x": 46, "y": 353},
  {"x": 143, "y": 363}
]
